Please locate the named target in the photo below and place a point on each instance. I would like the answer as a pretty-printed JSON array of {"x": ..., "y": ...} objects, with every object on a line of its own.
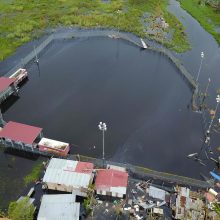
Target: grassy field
[
  {"x": 23, "y": 20},
  {"x": 208, "y": 17}
]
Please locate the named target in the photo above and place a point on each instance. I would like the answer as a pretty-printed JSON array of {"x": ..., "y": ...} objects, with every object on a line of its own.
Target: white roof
[
  {"x": 61, "y": 171},
  {"x": 18, "y": 71},
  {"x": 52, "y": 143},
  {"x": 120, "y": 190},
  {"x": 113, "y": 167},
  {"x": 156, "y": 193},
  {"x": 59, "y": 207},
  {"x": 184, "y": 191}
]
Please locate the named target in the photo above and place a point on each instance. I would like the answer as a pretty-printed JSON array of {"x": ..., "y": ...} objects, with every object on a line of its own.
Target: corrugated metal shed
[
  {"x": 156, "y": 193},
  {"x": 59, "y": 207},
  {"x": 69, "y": 173}
]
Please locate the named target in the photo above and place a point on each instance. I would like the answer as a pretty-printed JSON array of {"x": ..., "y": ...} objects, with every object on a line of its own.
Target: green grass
[
  {"x": 34, "y": 175},
  {"x": 208, "y": 17},
  {"x": 167, "y": 175},
  {"x": 23, "y": 20}
]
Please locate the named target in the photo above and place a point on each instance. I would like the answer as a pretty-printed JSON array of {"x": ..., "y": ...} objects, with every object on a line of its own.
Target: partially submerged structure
[
  {"x": 20, "y": 136},
  {"x": 30, "y": 138},
  {"x": 56, "y": 207},
  {"x": 7, "y": 88},
  {"x": 8, "y": 85},
  {"x": 111, "y": 182},
  {"x": 54, "y": 147},
  {"x": 69, "y": 176},
  {"x": 19, "y": 75}
]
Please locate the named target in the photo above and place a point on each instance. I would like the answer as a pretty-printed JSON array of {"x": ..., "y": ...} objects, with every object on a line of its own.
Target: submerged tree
[{"x": 21, "y": 210}]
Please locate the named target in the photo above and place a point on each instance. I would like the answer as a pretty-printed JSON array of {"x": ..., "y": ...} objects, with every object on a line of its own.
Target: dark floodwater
[
  {"x": 12, "y": 171},
  {"x": 139, "y": 94}
]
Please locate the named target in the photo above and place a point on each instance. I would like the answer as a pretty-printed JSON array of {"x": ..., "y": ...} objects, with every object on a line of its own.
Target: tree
[
  {"x": 216, "y": 208},
  {"x": 90, "y": 201},
  {"x": 21, "y": 210}
]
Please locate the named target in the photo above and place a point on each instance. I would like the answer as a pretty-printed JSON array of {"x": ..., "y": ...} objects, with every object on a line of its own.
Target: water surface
[{"x": 139, "y": 94}]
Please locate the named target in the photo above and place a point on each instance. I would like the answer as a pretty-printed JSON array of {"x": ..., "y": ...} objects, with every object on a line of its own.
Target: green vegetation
[
  {"x": 21, "y": 210},
  {"x": 34, "y": 175},
  {"x": 118, "y": 209},
  {"x": 23, "y": 20},
  {"x": 207, "y": 13},
  {"x": 172, "y": 176},
  {"x": 216, "y": 208},
  {"x": 90, "y": 201}
]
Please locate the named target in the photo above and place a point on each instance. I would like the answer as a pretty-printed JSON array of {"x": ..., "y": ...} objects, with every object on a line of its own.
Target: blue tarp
[{"x": 215, "y": 175}]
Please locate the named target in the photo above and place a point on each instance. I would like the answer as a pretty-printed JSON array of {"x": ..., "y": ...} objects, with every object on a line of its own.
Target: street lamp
[
  {"x": 102, "y": 127},
  {"x": 202, "y": 56}
]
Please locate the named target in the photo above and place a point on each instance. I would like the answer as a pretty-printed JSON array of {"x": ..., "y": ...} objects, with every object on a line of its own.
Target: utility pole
[{"x": 36, "y": 58}]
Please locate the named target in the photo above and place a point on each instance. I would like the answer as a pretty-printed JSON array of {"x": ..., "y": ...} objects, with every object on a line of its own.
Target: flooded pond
[{"x": 139, "y": 94}]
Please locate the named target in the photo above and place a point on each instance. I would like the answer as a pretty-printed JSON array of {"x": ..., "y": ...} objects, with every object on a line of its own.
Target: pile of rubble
[{"x": 147, "y": 199}]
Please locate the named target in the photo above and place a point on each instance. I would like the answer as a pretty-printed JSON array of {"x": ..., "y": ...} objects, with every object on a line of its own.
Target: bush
[{"x": 21, "y": 210}]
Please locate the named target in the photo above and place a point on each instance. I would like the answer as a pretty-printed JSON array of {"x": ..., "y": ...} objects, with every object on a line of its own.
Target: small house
[
  {"x": 61, "y": 206},
  {"x": 111, "y": 182},
  {"x": 20, "y": 136},
  {"x": 69, "y": 176},
  {"x": 7, "y": 88}
]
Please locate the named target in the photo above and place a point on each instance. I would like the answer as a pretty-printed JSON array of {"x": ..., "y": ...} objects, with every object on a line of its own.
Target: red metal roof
[
  {"x": 209, "y": 197},
  {"x": 111, "y": 178},
  {"x": 5, "y": 83},
  {"x": 20, "y": 132},
  {"x": 84, "y": 167}
]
